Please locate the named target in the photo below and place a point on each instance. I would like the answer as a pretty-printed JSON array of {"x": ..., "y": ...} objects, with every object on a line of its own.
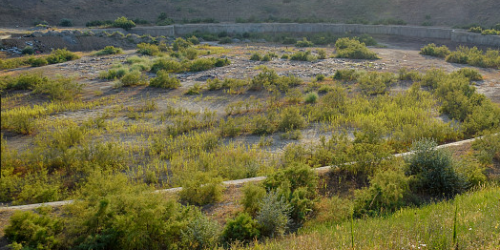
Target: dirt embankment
[{"x": 443, "y": 12}]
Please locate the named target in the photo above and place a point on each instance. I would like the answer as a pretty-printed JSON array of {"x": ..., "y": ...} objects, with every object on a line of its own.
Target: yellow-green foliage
[
  {"x": 475, "y": 57},
  {"x": 354, "y": 49},
  {"x": 433, "y": 50}
]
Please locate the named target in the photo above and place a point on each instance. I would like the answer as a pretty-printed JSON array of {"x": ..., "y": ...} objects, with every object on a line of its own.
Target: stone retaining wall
[{"x": 459, "y": 36}]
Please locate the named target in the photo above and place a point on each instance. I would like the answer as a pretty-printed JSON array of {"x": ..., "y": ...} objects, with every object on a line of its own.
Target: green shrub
[
  {"x": 294, "y": 96},
  {"x": 133, "y": 78},
  {"x": 321, "y": 54},
  {"x": 27, "y": 81},
  {"x": 252, "y": 196},
  {"x": 304, "y": 43},
  {"x": 242, "y": 228},
  {"x": 202, "y": 233},
  {"x": 201, "y": 64},
  {"x": 225, "y": 40},
  {"x": 487, "y": 149},
  {"x": 60, "y": 56},
  {"x": 475, "y": 57},
  {"x": 34, "y": 231},
  {"x": 311, "y": 97},
  {"x": 375, "y": 83},
  {"x": 62, "y": 89},
  {"x": 477, "y": 29},
  {"x": 285, "y": 56},
  {"x": 297, "y": 184},
  {"x": 263, "y": 125},
  {"x": 229, "y": 128},
  {"x": 194, "y": 40},
  {"x": 256, "y": 57},
  {"x": 346, "y": 75},
  {"x": 320, "y": 77},
  {"x": 148, "y": 49},
  {"x": 201, "y": 189},
  {"x": 387, "y": 193},
  {"x": 163, "y": 80},
  {"x": 168, "y": 65},
  {"x": 433, "y": 50},
  {"x": 354, "y": 49},
  {"x": 38, "y": 61},
  {"x": 65, "y": 22},
  {"x": 113, "y": 73},
  {"x": 433, "y": 170},
  {"x": 471, "y": 74},
  {"x": 109, "y": 50},
  {"x": 124, "y": 23},
  {"x": 191, "y": 53},
  {"x": 28, "y": 50},
  {"x": 490, "y": 32},
  {"x": 405, "y": 74},
  {"x": 291, "y": 119},
  {"x": 303, "y": 56},
  {"x": 181, "y": 44},
  {"x": 274, "y": 215}
]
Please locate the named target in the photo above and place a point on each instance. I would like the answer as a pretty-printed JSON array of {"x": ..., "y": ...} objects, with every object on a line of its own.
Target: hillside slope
[{"x": 441, "y": 12}]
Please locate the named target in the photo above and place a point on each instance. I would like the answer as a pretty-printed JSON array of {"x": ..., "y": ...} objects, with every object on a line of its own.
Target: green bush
[
  {"x": 346, "y": 75},
  {"x": 304, "y": 43},
  {"x": 133, "y": 78},
  {"x": 475, "y": 57},
  {"x": 38, "y": 61},
  {"x": 201, "y": 233},
  {"x": 109, "y": 50},
  {"x": 33, "y": 231},
  {"x": 303, "y": 56},
  {"x": 194, "y": 40},
  {"x": 321, "y": 54},
  {"x": 242, "y": 228},
  {"x": 113, "y": 73},
  {"x": 354, "y": 49},
  {"x": 168, "y": 65},
  {"x": 477, "y": 29},
  {"x": 225, "y": 40},
  {"x": 60, "y": 56},
  {"x": 202, "y": 64},
  {"x": 291, "y": 119},
  {"x": 487, "y": 149},
  {"x": 252, "y": 196},
  {"x": 201, "y": 189},
  {"x": 163, "y": 80},
  {"x": 263, "y": 125},
  {"x": 27, "y": 81},
  {"x": 375, "y": 83},
  {"x": 311, "y": 97},
  {"x": 28, "y": 50},
  {"x": 433, "y": 50},
  {"x": 148, "y": 49},
  {"x": 124, "y": 23},
  {"x": 433, "y": 170},
  {"x": 388, "y": 192},
  {"x": 297, "y": 184},
  {"x": 65, "y": 22},
  {"x": 181, "y": 44},
  {"x": 274, "y": 215},
  {"x": 405, "y": 74},
  {"x": 62, "y": 89},
  {"x": 471, "y": 74},
  {"x": 256, "y": 57}
]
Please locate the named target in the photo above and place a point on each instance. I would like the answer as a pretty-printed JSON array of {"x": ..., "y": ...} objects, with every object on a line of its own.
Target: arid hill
[{"x": 431, "y": 12}]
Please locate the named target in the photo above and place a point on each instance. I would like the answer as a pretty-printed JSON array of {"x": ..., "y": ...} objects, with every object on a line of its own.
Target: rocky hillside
[{"x": 432, "y": 12}]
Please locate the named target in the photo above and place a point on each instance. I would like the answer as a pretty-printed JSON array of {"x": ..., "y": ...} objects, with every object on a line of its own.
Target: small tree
[{"x": 124, "y": 23}]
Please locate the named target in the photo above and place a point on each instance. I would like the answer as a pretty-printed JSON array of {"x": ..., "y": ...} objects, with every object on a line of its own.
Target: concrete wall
[{"x": 405, "y": 31}]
